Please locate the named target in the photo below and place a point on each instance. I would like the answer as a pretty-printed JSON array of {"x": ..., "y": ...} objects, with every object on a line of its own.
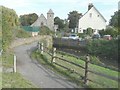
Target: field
[{"x": 98, "y": 81}]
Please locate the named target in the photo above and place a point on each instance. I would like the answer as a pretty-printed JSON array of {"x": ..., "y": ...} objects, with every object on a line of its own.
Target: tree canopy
[
  {"x": 59, "y": 22},
  {"x": 73, "y": 18},
  {"x": 28, "y": 19},
  {"x": 114, "y": 19},
  {"x": 9, "y": 21}
]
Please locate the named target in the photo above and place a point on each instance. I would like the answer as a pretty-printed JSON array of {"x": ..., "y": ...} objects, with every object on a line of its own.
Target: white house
[{"x": 91, "y": 19}]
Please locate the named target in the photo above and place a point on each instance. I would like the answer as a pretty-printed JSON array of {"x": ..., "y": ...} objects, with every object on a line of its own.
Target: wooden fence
[{"x": 86, "y": 69}]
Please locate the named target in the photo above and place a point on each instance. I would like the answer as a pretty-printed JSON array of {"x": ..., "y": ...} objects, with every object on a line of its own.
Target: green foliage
[
  {"x": 103, "y": 48},
  {"x": 73, "y": 18},
  {"x": 109, "y": 31},
  {"x": 45, "y": 31},
  {"x": 114, "y": 19},
  {"x": 15, "y": 80},
  {"x": 95, "y": 60},
  {"x": 45, "y": 60},
  {"x": 9, "y": 22},
  {"x": 89, "y": 31},
  {"x": 82, "y": 35},
  {"x": 28, "y": 19},
  {"x": 59, "y": 22},
  {"x": 22, "y": 34}
]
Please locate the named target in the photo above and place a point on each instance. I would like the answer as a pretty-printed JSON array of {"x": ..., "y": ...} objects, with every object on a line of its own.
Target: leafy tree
[
  {"x": 114, "y": 19},
  {"x": 59, "y": 22},
  {"x": 9, "y": 22},
  {"x": 28, "y": 19},
  {"x": 73, "y": 18},
  {"x": 110, "y": 31}
]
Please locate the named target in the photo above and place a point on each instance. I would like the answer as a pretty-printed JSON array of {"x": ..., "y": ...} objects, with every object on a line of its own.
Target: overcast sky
[{"x": 61, "y": 8}]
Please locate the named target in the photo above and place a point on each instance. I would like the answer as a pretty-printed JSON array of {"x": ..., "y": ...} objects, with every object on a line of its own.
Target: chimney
[{"x": 90, "y": 5}]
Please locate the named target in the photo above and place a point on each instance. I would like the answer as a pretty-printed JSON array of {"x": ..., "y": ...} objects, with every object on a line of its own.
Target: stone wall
[{"x": 42, "y": 38}]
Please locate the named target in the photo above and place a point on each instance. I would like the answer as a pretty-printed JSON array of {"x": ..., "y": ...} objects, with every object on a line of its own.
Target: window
[
  {"x": 97, "y": 15},
  {"x": 90, "y": 14}
]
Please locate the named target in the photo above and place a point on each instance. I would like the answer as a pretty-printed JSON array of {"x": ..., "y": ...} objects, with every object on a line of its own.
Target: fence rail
[{"x": 86, "y": 69}]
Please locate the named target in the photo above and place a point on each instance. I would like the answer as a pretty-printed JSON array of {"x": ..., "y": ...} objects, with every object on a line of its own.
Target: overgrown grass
[
  {"x": 15, "y": 80},
  {"x": 45, "y": 31},
  {"x": 10, "y": 79},
  {"x": 23, "y": 34},
  {"x": 7, "y": 59},
  {"x": 103, "y": 82}
]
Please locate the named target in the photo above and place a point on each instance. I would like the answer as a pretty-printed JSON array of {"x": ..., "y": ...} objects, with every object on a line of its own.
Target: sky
[{"x": 61, "y": 8}]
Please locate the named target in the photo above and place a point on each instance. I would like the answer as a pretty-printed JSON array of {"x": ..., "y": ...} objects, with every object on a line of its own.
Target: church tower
[{"x": 50, "y": 19}]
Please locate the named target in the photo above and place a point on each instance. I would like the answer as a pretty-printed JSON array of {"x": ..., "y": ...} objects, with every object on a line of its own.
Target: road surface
[{"x": 36, "y": 73}]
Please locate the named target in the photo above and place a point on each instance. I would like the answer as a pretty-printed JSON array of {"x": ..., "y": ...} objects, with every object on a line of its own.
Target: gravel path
[{"x": 36, "y": 73}]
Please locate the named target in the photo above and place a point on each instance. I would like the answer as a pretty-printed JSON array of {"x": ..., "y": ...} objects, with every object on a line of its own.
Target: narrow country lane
[{"x": 36, "y": 73}]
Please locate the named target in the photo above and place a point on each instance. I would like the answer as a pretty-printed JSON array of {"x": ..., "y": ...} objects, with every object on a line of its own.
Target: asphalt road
[{"x": 36, "y": 73}]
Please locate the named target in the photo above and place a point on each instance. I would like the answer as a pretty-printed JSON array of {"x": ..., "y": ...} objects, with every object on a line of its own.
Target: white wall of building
[{"x": 91, "y": 19}]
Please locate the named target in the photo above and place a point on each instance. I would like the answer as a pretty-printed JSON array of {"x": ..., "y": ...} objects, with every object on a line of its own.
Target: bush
[
  {"x": 22, "y": 34},
  {"x": 103, "y": 48},
  {"x": 45, "y": 31}
]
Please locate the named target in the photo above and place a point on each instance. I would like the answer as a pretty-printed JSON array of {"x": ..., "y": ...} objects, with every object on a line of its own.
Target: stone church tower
[
  {"x": 50, "y": 19},
  {"x": 42, "y": 21}
]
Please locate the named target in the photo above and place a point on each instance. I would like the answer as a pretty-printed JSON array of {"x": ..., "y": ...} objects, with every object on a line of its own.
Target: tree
[
  {"x": 110, "y": 31},
  {"x": 9, "y": 22},
  {"x": 59, "y": 22},
  {"x": 73, "y": 18},
  {"x": 28, "y": 19},
  {"x": 114, "y": 19}
]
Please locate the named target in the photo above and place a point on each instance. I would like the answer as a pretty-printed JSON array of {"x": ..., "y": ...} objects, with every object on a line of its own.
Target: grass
[
  {"x": 103, "y": 82},
  {"x": 0, "y": 80},
  {"x": 7, "y": 60},
  {"x": 10, "y": 79},
  {"x": 15, "y": 80}
]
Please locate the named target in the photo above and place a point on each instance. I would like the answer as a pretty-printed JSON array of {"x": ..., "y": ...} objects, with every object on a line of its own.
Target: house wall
[{"x": 91, "y": 19}]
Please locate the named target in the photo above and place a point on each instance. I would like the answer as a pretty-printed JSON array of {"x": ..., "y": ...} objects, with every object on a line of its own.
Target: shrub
[
  {"x": 103, "y": 48},
  {"x": 22, "y": 33},
  {"x": 45, "y": 31}
]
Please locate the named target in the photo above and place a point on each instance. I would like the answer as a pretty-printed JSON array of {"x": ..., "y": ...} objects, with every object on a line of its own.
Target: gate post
[
  {"x": 53, "y": 55},
  {"x": 14, "y": 68},
  {"x": 41, "y": 48}
]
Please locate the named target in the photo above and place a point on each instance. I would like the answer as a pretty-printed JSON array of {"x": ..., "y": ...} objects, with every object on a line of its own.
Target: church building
[
  {"x": 91, "y": 19},
  {"x": 42, "y": 21}
]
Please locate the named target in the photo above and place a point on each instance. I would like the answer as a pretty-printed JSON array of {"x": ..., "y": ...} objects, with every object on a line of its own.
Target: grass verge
[
  {"x": 99, "y": 81},
  {"x": 15, "y": 80},
  {"x": 10, "y": 79}
]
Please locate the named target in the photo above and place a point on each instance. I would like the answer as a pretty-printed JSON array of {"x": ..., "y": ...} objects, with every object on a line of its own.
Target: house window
[
  {"x": 97, "y": 15},
  {"x": 90, "y": 14}
]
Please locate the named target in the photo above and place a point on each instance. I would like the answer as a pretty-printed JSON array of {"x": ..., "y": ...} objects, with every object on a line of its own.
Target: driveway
[{"x": 36, "y": 73}]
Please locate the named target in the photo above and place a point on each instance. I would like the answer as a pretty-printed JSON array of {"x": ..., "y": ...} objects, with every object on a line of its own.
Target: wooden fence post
[
  {"x": 53, "y": 55},
  {"x": 41, "y": 48},
  {"x": 86, "y": 69},
  {"x": 14, "y": 64}
]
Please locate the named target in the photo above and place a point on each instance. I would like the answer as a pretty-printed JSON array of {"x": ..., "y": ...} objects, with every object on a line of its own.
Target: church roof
[
  {"x": 50, "y": 11},
  {"x": 42, "y": 16},
  {"x": 40, "y": 19}
]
